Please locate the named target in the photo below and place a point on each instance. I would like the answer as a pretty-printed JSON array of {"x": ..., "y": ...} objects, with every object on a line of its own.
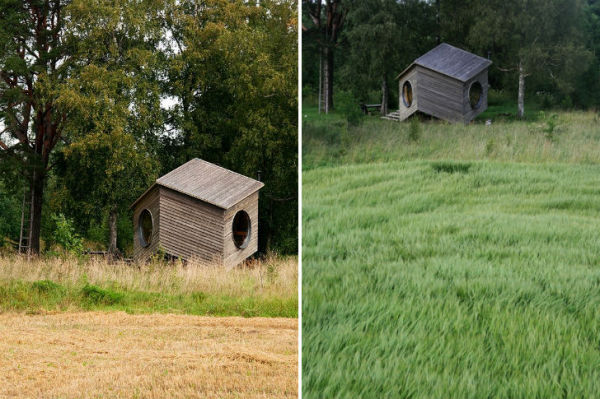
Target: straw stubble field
[{"x": 95, "y": 354}]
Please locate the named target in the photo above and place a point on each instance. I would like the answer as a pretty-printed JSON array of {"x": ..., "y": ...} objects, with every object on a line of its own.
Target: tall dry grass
[
  {"x": 272, "y": 276},
  {"x": 265, "y": 287}
]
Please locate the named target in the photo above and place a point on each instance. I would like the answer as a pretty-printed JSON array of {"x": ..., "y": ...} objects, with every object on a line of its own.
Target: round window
[
  {"x": 407, "y": 95},
  {"x": 145, "y": 228},
  {"x": 475, "y": 95},
  {"x": 241, "y": 229}
]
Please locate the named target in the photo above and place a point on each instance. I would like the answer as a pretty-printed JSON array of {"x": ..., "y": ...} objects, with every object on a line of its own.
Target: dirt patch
[{"x": 85, "y": 355}]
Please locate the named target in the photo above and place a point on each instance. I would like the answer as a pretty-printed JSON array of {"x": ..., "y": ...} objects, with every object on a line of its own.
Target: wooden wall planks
[
  {"x": 232, "y": 254},
  {"x": 190, "y": 227},
  {"x": 442, "y": 96},
  {"x": 150, "y": 202}
]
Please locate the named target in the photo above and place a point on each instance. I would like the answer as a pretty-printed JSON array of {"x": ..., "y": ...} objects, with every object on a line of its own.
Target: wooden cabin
[
  {"x": 447, "y": 83},
  {"x": 198, "y": 211}
]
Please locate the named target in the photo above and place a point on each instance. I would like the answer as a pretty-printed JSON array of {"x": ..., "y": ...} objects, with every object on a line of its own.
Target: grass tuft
[
  {"x": 99, "y": 296},
  {"x": 451, "y": 167},
  {"x": 46, "y": 286}
]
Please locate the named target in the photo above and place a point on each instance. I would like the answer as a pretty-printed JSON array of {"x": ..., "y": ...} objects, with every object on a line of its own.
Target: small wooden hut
[
  {"x": 447, "y": 83},
  {"x": 200, "y": 211}
]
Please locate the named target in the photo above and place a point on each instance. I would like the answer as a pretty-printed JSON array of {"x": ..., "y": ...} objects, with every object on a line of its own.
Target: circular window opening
[
  {"x": 407, "y": 96},
  {"x": 241, "y": 229},
  {"x": 145, "y": 228},
  {"x": 475, "y": 95}
]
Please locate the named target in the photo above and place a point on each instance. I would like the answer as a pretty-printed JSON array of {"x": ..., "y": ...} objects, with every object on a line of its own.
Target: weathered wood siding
[
  {"x": 150, "y": 202},
  {"x": 232, "y": 254},
  {"x": 469, "y": 113},
  {"x": 190, "y": 228},
  {"x": 405, "y": 112},
  {"x": 440, "y": 95}
]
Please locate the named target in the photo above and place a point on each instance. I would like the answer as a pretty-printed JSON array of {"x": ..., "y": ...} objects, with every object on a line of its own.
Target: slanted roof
[
  {"x": 209, "y": 183},
  {"x": 451, "y": 61}
]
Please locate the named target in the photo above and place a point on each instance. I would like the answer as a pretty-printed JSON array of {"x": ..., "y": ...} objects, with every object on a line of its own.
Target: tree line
[
  {"x": 551, "y": 47},
  {"x": 98, "y": 98}
]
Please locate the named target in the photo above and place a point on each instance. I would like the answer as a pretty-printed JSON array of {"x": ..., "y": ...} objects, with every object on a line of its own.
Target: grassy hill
[{"x": 452, "y": 261}]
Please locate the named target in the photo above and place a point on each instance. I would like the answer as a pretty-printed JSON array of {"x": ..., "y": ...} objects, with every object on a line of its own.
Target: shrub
[
  {"x": 64, "y": 234},
  {"x": 347, "y": 105},
  {"x": 490, "y": 145},
  {"x": 550, "y": 128},
  {"x": 414, "y": 130}
]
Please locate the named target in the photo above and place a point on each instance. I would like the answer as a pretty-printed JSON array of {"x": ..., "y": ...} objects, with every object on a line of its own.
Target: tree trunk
[
  {"x": 38, "y": 181},
  {"x": 320, "y": 81},
  {"x": 112, "y": 240},
  {"x": 328, "y": 79},
  {"x": 384, "y": 96},
  {"x": 521, "y": 99}
]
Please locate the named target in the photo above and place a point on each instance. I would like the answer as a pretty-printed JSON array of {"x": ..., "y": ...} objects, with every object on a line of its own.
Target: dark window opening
[
  {"x": 475, "y": 95},
  {"x": 241, "y": 229},
  {"x": 145, "y": 228},
  {"x": 407, "y": 95}
]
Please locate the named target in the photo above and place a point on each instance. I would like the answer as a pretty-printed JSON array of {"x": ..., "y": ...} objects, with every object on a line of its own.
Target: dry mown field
[{"x": 94, "y": 354}]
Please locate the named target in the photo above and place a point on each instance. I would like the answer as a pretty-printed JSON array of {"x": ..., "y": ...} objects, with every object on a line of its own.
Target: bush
[
  {"x": 65, "y": 236},
  {"x": 550, "y": 127},
  {"x": 349, "y": 107},
  {"x": 414, "y": 129}
]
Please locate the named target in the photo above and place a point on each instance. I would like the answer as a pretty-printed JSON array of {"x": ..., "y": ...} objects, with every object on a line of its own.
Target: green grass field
[{"x": 448, "y": 267}]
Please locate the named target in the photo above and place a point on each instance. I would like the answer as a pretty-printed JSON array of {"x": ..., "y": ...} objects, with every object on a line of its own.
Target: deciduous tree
[
  {"x": 327, "y": 22},
  {"x": 533, "y": 36},
  {"x": 49, "y": 50}
]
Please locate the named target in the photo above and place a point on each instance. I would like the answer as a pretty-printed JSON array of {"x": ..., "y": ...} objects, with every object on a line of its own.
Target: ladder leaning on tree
[{"x": 26, "y": 219}]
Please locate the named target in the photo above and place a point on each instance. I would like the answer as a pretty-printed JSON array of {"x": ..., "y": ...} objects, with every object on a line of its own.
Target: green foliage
[
  {"x": 414, "y": 130},
  {"x": 348, "y": 107},
  {"x": 64, "y": 234},
  {"x": 46, "y": 287},
  {"x": 227, "y": 70},
  {"x": 379, "y": 42},
  {"x": 99, "y": 296},
  {"x": 490, "y": 145},
  {"x": 485, "y": 282},
  {"x": 10, "y": 215},
  {"x": 551, "y": 127}
]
